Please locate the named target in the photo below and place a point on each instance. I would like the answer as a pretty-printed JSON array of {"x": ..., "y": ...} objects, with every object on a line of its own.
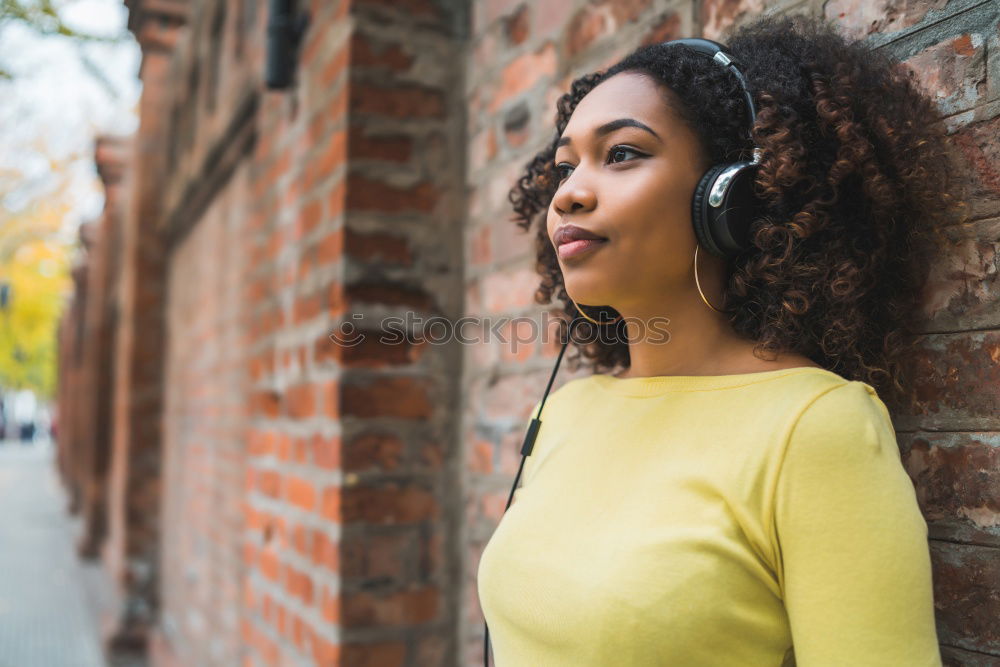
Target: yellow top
[{"x": 699, "y": 521}]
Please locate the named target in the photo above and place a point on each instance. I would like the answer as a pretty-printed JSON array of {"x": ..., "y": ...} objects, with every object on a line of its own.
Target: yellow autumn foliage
[{"x": 35, "y": 265}]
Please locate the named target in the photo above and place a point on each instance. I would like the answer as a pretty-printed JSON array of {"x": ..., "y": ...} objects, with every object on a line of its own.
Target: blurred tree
[
  {"x": 36, "y": 249},
  {"x": 43, "y": 17}
]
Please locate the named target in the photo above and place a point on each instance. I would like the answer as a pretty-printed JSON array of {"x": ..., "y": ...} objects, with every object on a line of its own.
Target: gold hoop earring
[
  {"x": 698, "y": 283},
  {"x": 580, "y": 310}
]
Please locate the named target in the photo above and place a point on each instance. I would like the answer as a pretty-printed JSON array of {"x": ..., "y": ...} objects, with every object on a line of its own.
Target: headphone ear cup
[
  {"x": 729, "y": 223},
  {"x": 723, "y": 230},
  {"x": 700, "y": 214}
]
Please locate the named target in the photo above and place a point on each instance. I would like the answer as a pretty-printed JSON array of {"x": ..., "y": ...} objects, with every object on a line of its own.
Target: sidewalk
[{"x": 45, "y": 620}]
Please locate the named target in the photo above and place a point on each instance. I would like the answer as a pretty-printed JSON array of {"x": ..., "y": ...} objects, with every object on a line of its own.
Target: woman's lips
[{"x": 578, "y": 247}]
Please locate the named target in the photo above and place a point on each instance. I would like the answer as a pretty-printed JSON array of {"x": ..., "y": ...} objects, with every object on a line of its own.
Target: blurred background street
[
  {"x": 47, "y": 612},
  {"x": 196, "y": 195}
]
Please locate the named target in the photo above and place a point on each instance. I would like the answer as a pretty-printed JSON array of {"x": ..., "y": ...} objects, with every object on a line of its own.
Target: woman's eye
[
  {"x": 621, "y": 149},
  {"x": 614, "y": 150}
]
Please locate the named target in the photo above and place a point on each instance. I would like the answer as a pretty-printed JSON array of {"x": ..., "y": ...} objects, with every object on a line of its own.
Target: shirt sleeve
[{"x": 853, "y": 558}]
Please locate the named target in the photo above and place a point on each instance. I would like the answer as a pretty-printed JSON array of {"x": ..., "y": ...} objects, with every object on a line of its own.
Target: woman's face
[{"x": 632, "y": 187}]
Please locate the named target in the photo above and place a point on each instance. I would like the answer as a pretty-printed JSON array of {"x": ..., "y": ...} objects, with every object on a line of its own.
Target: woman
[{"x": 732, "y": 492}]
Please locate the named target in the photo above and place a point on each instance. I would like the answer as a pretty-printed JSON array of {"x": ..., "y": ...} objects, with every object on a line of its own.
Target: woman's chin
[{"x": 587, "y": 295}]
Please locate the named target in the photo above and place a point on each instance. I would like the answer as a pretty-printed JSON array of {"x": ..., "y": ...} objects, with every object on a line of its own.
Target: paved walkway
[{"x": 45, "y": 620}]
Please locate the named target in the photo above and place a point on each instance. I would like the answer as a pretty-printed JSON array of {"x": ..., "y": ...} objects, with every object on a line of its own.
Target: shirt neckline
[{"x": 655, "y": 385}]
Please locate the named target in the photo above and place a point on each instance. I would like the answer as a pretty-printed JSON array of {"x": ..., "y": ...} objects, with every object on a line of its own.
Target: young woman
[{"x": 727, "y": 488}]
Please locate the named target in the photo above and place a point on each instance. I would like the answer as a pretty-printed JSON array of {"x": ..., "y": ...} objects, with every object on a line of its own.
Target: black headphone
[
  {"x": 724, "y": 203},
  {"x": 722, "y": 208}
]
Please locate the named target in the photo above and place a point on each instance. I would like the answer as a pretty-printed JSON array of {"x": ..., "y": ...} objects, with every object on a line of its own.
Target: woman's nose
[{"x": 572, "y": 198}]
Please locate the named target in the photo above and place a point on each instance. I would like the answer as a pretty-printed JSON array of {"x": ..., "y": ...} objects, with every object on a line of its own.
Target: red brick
[
  {"x": 375, "y": 654},
  {"x": 371, "y": 353},
  {"x": 956, "y": 385},
  {"x": 326, "y": 452},
  {"x": 953, "y": 72},
  {"x": 378, "y": 557},
  {"x": 300, "y": 400},
  {"x": 979, "y": 144},
  {"x": 373, "y": 451},
  {"x": 331, "y": 399},
  {"x": 319, "y": 168},
  {"x": 300, "y": 493},
  {"x": 963, "y": 290},
  {"x": 330, "y": 248},
  {"x": 388, "y": 504},
  {"x": 325, "y": 552},
  {"x": 965, "y": 598},
  {"x": 326, "y": 654},
  {"x": 407, "y": 607},
  {"x": 326, "y": 349},
  {"x": 404, "y": 398},
  {"x": 268, "y": 563},
  {"x": 381, "y": 247},
  {"x": 310, "y": 217},
  {"x": 366, "y": 194},
  {"x": 331, "y": 504},
  {"x": 269, "y": 483},
  {"x": 301, "y": 535},
  {"x": 336, "y": 199},
  {"x": 267, "y": 403},
  {"x": 522, "y": 73},
  {"x": 390, "y": 56},
  {"x": 260, "y": 443},
  {"x": 399, "y": 101},
  {"x": 397, "y": 148},
  {"x": 957, "y": 479},
  {"x": 330, "y": 605}
]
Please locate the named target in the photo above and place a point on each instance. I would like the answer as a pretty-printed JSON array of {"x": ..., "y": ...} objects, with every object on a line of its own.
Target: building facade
[{"x": 262, "y": 495}]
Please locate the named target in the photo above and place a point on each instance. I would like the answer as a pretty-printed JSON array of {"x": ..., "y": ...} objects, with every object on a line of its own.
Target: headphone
[
  {"x": 724, "y": 203},
  {"x": 722, "y": 208}
]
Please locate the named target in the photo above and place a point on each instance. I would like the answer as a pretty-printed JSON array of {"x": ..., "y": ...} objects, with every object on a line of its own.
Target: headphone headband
[{"x": 720, "y": 53}]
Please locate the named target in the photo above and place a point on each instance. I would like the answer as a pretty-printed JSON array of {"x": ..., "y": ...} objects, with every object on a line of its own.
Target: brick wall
[
  {"x": 306, "y": 514},
  {"x": 276, "y": 498},
  {"x": 524, "y": 55}
]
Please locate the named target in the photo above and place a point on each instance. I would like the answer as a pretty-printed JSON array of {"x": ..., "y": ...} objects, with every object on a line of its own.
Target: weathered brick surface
[
  {"x": 956, "y": 385},
  {"x": 964, "y": 288},
  {"x": 965, "y": 596},
  {"x": 320, "y": 503},
  {"x": 947, "y": 433},
  {"x": 957, "y": 479}
]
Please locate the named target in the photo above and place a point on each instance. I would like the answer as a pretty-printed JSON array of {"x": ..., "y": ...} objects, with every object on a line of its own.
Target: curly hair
[{"x": 855, "y": 183}]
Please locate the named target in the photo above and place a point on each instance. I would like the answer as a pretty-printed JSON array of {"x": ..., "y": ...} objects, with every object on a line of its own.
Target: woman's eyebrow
[{"x": 610, "y": 127}]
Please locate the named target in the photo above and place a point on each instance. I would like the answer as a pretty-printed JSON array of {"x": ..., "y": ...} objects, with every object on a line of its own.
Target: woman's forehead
[{"x": 624, "y": 95}]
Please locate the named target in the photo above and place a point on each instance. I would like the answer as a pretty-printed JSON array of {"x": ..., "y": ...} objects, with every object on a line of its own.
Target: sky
[{"x": 55, "y": 106}]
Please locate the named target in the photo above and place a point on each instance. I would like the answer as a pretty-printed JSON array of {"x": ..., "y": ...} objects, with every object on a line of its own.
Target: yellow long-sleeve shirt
[{"x": 752, "y": 520}]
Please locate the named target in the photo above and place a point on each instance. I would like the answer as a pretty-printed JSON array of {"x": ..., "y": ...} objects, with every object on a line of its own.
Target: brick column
[
  {"x": 131, "y": 554},
  {"x": 352, "y": 510},
  {"x": 97, "y": 372}
]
